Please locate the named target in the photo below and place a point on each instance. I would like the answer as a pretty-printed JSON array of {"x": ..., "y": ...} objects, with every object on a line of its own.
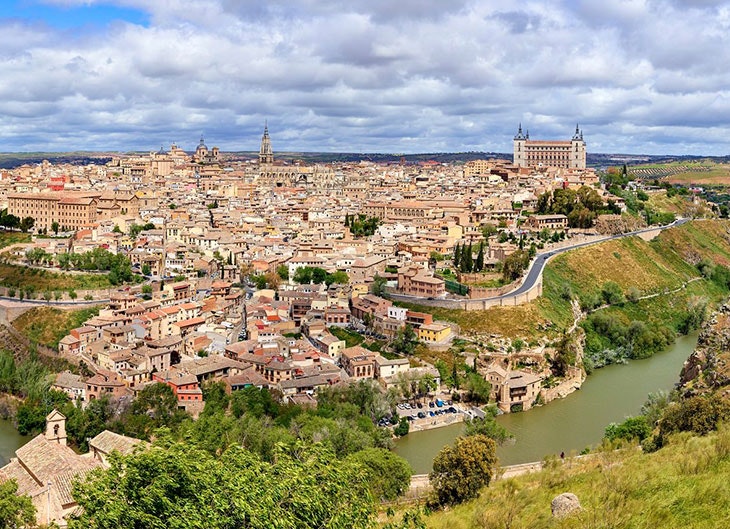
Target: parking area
[{"x": 431, "y": 414}]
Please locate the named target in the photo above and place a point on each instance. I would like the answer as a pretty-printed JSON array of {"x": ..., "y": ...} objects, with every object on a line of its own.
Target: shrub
[
  {"x": 633, "y": 428},
  {"x": 700, "y": 414}
]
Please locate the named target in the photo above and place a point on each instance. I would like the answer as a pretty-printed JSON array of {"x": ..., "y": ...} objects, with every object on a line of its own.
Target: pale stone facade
[{"x": 543, "y": 153}]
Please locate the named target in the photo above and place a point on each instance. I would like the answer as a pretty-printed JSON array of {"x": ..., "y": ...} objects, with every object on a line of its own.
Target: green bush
[
  {"x": 699, "y": 414},
  {"x": 633, "y": 428},
  {"x": 403, "y": 427}
]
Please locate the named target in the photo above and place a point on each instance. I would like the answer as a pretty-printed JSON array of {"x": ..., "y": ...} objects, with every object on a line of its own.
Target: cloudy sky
[{"x": 640, "y": 76}]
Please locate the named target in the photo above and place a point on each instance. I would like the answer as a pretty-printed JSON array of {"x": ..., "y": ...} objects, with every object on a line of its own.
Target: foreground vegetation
[
  {"x": 679, "y": 482},
  {"x": 683, "y": 485}
]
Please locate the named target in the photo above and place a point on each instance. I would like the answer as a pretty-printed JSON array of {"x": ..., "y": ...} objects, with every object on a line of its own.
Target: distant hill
[
  {"x": 13, "y": 160},
  {"x": 597, "y": 160}
]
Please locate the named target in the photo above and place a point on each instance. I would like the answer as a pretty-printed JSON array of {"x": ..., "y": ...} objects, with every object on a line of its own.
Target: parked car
[{"x": 421, "y": 415}]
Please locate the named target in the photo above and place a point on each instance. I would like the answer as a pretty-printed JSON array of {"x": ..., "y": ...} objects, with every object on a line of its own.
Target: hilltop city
[{"x": 291, "y": 277}]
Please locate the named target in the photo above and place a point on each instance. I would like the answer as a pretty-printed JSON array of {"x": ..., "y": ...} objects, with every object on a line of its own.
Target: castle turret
[
  {"x": 577, "y": 150},
  {"x": 519, "y": 158}
]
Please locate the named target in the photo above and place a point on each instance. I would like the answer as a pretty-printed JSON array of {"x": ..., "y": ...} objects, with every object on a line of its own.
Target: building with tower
[
  {"x": 286, "y": 175},
  {"x": 266, "y": 153},
  {"x": 569, "y": 154},
  {"x": 205, "y": 156}
]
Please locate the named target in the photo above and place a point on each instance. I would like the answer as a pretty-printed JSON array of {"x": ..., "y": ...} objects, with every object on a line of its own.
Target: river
[
  {"x": 10, "y": 441},
  {"x": 571, "y": 424}
]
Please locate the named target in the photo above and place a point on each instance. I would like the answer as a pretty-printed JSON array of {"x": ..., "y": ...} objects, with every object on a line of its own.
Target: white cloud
[{"x": 415, "y": 75}]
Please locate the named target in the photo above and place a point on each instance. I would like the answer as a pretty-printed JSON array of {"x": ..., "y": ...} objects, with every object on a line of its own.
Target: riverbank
[{"x": 567, "y": 425}]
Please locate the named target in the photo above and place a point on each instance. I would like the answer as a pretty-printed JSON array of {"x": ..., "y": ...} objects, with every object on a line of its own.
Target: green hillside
[
  {"x": 655, "y": 267},
  {"x": 682, "y": 485}
]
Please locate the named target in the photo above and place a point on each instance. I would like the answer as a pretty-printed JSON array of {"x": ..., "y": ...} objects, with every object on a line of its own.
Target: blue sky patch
[{"x": 61, "y": 17}]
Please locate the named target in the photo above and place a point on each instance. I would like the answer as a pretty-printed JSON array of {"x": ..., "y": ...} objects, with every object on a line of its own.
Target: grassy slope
[
  {"x": 659, "y": 201},
  {"x": 47, "y": 325},
  {"x": 682, "y": 485},
  {"x": 651, "y": 267},
  {"x": 16, "y": 276}
]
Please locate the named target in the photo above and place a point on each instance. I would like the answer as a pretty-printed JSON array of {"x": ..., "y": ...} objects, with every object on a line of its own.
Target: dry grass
[
  {"x": 719, "y": 175},
  {"x": 519, "y": 321},
  {"x": 47, "y": 325},
  {"x": 682, "y": 485}
]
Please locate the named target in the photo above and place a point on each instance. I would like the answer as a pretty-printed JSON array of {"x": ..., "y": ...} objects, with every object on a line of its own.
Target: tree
[
  {"x": 379, "y": 285},
  {"x": 403, "y": 427},
  {"x": 633, "y": 294},
  {"x": 488, "y": 230},
  {"x": 15, "y": 511},
  {"x": 319, "y": 275},
  {"x": 339, "y": 277},
  {"x": 27, "y": 224},
  {"x": 387, "y": 474},
  {"x": 176, "y": 484},
  {"x": 566, "y": 355},
  {"x": 477, "y": 388},
  {"x": 479, "y": 264},
  {"x": 55, "y": 227},
  {"x": 467, "y": 261},
  {"x": 457, "y": 255},
  {"x": 612, "y": 293},
  {"x": 514, "y": 264},
  {"x": 487, "y": 426},
  {"x": 633, "y": 428},
  {"x": 405, "y": 341},
  {"x": 283, "y": 272},
  {"x": 155, "y": 407},
  {"x": 460, "y": 471},
  {"x": 303, "y": 275},
  {"x": 146, "y": 270}
]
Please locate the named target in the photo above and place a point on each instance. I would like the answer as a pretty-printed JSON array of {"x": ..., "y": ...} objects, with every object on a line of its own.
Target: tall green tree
[
  {"x": 387, "y": 474},
  {"x": 405, "y": 341},
  {"x": 479, "y": 264},
  {"x": 460, "y": 471},
  {"x": 467, "y": 260}
]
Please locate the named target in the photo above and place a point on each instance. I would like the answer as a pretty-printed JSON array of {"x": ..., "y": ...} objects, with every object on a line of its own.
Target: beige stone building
[
  {"x": 71, "y": 211},
  {"x": 546, "y": 153}
]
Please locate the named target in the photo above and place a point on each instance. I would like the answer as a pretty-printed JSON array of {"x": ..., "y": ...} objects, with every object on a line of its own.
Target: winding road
[{"x": 534, "y": 272}]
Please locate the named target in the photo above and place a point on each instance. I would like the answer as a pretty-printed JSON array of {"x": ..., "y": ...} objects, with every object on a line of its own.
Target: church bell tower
[{"x": 266, "y": 154}]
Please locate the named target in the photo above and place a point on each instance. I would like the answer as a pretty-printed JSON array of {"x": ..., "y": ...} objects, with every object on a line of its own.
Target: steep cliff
[{"x": 708, "y": 367}]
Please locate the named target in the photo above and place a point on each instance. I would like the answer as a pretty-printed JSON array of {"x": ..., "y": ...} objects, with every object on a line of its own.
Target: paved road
[{"x": 538, "y": 264}]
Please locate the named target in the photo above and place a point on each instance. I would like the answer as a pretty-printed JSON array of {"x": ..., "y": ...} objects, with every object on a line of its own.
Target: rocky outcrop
[
  {"x": 564, "y": 505},
  {"x": 708, "y": 368}
]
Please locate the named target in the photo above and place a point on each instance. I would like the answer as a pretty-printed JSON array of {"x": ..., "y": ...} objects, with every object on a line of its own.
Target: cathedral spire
[{"x": 266, "y": 153}]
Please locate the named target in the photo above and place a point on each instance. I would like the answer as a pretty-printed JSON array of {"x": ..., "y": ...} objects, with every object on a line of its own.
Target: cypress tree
[
  {"x": 479, "y": 265},
  {"x": 467, "y": 261},
  {"x": 457, "y": 255}
]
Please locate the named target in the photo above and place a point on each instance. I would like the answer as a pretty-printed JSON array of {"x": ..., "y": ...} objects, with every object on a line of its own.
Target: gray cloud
[{"x": 372, "y": 75}]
